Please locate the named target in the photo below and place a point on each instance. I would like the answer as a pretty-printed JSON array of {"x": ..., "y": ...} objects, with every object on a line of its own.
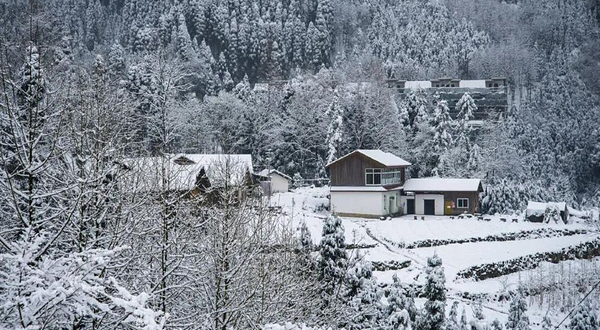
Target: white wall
[
  {"x": 396, "y": 204},
  {"x": 357, "y": 202},
  {"x": 279, "y": 183},
  {"x": 403, "y": 203},
  {"x": 420, "y": 205}
]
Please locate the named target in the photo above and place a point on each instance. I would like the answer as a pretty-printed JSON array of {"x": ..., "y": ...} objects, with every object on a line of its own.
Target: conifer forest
[{"x": 108, "y": 220}]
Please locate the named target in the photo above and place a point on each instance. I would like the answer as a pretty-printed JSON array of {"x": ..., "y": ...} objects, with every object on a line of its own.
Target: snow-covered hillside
[{"x": 487, "y": 242}]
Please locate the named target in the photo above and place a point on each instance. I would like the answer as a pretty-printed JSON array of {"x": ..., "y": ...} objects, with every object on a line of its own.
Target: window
[
  {"x": 373, "y": 176},
  {"x": 462, "y": 203},
  {"x": 378, "y": 176}
]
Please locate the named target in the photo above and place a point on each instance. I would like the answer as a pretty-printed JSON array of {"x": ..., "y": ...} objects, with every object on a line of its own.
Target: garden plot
[
  {"x": 461, "y": 256},
  {"x": 406, "y": 230}
]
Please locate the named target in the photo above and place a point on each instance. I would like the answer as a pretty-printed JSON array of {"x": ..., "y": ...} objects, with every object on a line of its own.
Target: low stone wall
[
  {"x": 514, "y": 236},
  {"x": 389, "y": 265},
  {"x": 585, "y": 250}
]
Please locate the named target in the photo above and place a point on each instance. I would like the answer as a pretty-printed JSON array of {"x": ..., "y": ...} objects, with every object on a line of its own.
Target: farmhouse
[
  {"x": 187, "y": 173},
  {"x": 366, "y": 183},
  {"x": 371, "y": 183},
  {"x": 274, "y": 181}
]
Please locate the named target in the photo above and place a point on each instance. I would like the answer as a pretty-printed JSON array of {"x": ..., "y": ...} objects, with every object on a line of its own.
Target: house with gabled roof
[
  {"x": 372, "y": 183},
  {"x": 187, "y": 173},
  {"x": 274, "y": 181}
]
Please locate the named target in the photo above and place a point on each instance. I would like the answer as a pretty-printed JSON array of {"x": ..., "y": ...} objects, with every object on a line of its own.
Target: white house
[
  {"x": 277, "y": 181},
  {"x": 371, "y": 183},
  {"x": 366, "y": 183}
]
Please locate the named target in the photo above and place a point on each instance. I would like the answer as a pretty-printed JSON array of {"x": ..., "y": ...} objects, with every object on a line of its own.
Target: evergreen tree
[
  {"x": 442, "y": 123},
  {"x": 364, "y": 297},
  {"x": 463, "y": 319},
  {"x": 547, "y": 323},
  {"x": 453, "y": 317},
  {"x": 584, "y": 318},
  {"x": 517, "y": 313},
  {"x": 478, "y": 310},
  {"x": 465, "y": 108},
  {"x": 306, "y": 242},
  {"x": 433, "y": 316},
  {"x": 334, "y": 259},
  {"x": 496, "y": 325},
  {"x": 335, "y": 115}
]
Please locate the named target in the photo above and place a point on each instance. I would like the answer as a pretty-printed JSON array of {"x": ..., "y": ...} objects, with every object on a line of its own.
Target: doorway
[
  {"x": 410, "y": 206},
  {"x": 429, "y": 205}
]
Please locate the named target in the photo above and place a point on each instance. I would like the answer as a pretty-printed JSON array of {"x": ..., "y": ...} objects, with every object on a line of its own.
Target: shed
[
  {"x": 277, "y": 181},
  {"x": 542, "y": 212}
]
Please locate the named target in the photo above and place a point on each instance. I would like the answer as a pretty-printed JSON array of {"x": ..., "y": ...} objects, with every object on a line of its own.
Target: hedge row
[
  {"x": 514, "y": 236},
  {"x": 585, "y": 250},
  {"x": 389, "y": 265}
]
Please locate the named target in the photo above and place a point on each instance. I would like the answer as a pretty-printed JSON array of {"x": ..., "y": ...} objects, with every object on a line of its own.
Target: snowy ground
[
  {"x": 308, "y": 204},
  {"x": 406, "y": 230}
]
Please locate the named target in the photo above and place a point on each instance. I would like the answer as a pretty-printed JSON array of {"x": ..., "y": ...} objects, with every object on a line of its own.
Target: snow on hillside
[
  {"x": 309, "y": 204},
  {"x": 406, "y": 230},
  {"x": 386, "y": 238}
]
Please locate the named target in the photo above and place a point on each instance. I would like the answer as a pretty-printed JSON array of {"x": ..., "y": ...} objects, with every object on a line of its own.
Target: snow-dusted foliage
[
  {"x": 584, "y": 317},
  {"x": 364, "y": 297},
  {"x": 45, "y": 290},
  {"x": 433, "y": 315},
  {"x": 517, "y": 313},
  {"x": 333, "y": 261}
]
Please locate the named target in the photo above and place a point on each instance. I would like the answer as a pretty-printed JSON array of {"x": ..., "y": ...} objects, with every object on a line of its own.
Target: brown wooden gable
[{"x": 350, "y": 170}]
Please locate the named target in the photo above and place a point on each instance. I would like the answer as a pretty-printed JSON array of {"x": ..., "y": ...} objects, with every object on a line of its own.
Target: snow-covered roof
[
  {"x": 539, "y": 208},
  {"x": 442, "y": 184},
  {"x": 261, "y": 87},
  {"x": 180, "y": 172},
  {"x": 384, "y": 158},
  {"x": 267, "y": 172},
  {"x": 472, "y": 84},
  {"x": 417, "y": 84},
  {"x": 363, "y": 188}
]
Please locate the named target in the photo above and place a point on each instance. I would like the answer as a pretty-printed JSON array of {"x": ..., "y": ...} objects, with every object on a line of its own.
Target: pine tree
[
  {"x": 547, "y": 323},
  {"x": 335, "y": 128},
  {"x": 584, "y": 318},
  {"x": 116, "y": 59},
  {"x": 334, "y": 259},
  {"x": 478, "y": 310},
  {"x": 306, "y": 242},
  {"x": 453, "y": 317},
  {"x": 465, "y": 108},
  {"x": 433, "y": 317},
  {"x": 364, "y": 297},
  {"x": 463, "y": 319},
  {"x": 517, "y": 313},
  {"x": 496, "y": 325},
  {"x": 442, "y": 123}
]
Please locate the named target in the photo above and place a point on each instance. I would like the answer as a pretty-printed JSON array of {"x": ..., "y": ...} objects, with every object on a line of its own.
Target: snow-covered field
[
  {"x": 308, "y": 204},
  {"x": 406, "y": 230}
]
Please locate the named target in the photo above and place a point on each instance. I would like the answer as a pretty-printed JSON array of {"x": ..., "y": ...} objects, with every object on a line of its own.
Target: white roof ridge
[{"x": 385, "y": 158}]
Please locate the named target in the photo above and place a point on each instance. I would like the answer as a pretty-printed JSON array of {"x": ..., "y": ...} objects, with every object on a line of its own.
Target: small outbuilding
[
  {"x": 441, "y": 196},
  {"x": 275, "y": 181},
  {"x": 545, "y": 212}
]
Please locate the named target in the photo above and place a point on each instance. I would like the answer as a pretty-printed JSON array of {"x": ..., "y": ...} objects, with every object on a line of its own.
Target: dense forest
[
  {"x": 294, "y": 83},
  {"x": 326, "y": 61}
]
